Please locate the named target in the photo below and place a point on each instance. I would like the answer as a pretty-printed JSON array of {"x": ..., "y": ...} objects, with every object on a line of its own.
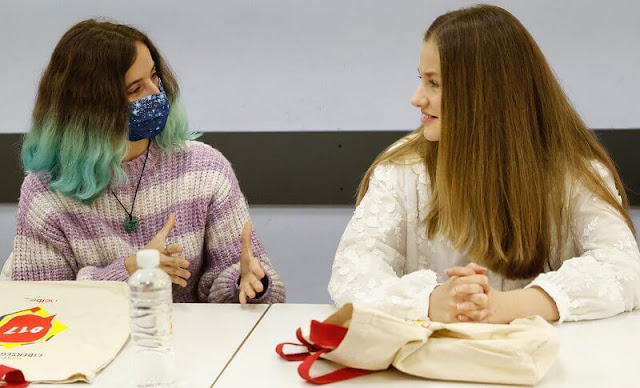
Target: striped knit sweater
[{"x": 59, "y": 238}]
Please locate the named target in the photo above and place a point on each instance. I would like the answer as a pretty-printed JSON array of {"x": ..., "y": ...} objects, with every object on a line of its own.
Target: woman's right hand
[
  {"x": 175, "y": 266},
  {"x": 447, "y": 302}
]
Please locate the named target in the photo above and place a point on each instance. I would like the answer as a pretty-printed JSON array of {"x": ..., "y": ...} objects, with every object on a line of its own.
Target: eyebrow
[
  {"x": 428, "y": 73},
  {"x": 139, "y": 79}
]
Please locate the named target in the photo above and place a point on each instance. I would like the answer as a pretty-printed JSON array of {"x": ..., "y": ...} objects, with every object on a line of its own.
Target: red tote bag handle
[
  {"x": 325, "y": 338},
  {"x": 12, "y": 377},
  {"x": 297, "y": 356}
]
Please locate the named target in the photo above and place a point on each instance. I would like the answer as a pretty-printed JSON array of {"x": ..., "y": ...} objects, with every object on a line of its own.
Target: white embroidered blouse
[{"x": 384, "y": 258}]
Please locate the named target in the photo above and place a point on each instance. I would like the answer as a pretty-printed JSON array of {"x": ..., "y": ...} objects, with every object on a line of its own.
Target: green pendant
[{"x": 130, "y": 224}]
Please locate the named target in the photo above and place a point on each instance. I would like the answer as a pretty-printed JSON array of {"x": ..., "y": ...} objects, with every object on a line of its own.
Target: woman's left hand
[
  {"x": 474, "y": 303},
  {"x": 501, "y": 306},
  {"x": 251, "y": 272}
]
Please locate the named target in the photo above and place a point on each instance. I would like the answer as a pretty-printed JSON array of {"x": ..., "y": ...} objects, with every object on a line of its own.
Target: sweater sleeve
[
  {"x": 369, "y": 263},
  {"x": 604, "y": 278},
  {"x": 40, "y": 254},
  {"x": 227, "y": 214},
  {"x": 41, "y": 250}
]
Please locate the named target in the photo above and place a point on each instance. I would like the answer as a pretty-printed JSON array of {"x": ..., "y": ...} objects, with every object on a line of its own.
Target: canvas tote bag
[
  {"x": 60, "y": 332},
  {"x": 364, "y": 340}
]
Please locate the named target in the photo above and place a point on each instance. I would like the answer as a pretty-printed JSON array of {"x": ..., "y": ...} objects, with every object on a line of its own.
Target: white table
[
  {"x": 206, "y": 336},
  {"x": 603, "y": 353}
]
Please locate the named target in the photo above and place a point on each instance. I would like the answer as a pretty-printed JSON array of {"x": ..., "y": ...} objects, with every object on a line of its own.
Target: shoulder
[
  {"x": 604, "y": 173},
  {"x": 219, "y": 174},
  {"x": 401, "y": 172},
  {"x": 34, "y": 184},
  {"x": 600, "y": 172},
  {"x": 35, "y": 188},
  {"x": 37, "y": 204},
  {"x": 407, "y": 166},
  {"x": 202, "y": 153},
  {"x": 593, "y": 194},
  {"x": 407, "y": 183},
  {"x": 197, "y": 157}
]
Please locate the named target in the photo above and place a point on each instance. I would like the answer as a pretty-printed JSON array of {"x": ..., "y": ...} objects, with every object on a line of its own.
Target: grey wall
[
  {"x": 301, "y": 241},
  {"x": 7, "y": 229},
  {"x": 283, "y": 65}
]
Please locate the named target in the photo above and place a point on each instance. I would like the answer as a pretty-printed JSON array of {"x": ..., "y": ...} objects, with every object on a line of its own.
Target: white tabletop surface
[
  {"x": 205, "y": 338},
  {"x": 602, "y": 353}
]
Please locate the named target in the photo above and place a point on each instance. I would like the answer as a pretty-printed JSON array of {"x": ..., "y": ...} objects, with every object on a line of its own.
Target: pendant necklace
[{"x": 130, "y": 223}]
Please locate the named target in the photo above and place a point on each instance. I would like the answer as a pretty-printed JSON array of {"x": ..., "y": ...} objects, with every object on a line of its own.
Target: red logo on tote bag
[{"x": 28, "y": 327}]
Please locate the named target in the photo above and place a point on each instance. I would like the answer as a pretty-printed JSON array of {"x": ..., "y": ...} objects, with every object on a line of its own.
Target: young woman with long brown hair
[
  {"x": 113, "y": 167},
  {"x": 501, "y": 205}
]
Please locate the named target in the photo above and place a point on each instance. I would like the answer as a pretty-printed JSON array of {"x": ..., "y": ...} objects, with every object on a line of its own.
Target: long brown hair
[
  {"x": 510, "y": 140},
  {"x": 80, "y": 120},
  {"x": 85, "y": 76}
]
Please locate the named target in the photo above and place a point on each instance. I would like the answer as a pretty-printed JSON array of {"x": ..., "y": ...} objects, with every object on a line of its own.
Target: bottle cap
[{"x": 148, "y": 258}]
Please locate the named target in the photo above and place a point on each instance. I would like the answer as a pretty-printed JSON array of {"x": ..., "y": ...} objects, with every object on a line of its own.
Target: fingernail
[{"x": 458, "y": 306}]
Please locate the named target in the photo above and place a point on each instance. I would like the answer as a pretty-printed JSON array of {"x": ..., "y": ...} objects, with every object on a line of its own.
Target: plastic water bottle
[{"x": 151, "y": 327}]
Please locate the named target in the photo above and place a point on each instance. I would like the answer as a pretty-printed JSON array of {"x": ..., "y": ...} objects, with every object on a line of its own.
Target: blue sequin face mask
[{"x": 148, "y": 115}]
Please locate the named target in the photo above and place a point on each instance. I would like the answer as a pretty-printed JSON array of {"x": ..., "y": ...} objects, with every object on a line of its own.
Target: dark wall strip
[
  {"x": 624, "y": 148},
  {"x": 316, "y": 168}
]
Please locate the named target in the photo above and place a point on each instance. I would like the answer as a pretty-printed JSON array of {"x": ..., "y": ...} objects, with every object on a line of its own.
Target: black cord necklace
[{"x": 130, "y": 224}]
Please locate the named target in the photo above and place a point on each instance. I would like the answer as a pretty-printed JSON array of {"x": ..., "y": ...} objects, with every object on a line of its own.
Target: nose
[
  {"x": 153, "y": 86},
  {"x": 419, "y": 99},
  {"x": 150, "y": 87}
]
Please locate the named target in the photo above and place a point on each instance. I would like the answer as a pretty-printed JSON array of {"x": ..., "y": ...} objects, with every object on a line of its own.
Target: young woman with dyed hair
[
  {"x": 113, "y": 168},
  {"x": 501, "y": 205}
]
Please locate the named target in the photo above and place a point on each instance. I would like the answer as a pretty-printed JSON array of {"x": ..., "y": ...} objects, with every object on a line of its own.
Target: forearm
[
  {"x": 35, "y": 259},
  {"x": 225, "y": 287},
  {"x": 116, "y": 271},
  {"x": 521, "y": 303}
]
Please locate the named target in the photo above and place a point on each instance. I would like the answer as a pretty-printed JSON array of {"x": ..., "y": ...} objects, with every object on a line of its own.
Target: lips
[{"x": 427, "y": 118}]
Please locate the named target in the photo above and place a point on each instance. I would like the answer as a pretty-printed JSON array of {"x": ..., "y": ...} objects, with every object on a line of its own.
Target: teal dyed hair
[
  {"x": 81, "y": 164},
  {"x": 80, "y": 122},
  {"x": 176, "y": 132}
]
